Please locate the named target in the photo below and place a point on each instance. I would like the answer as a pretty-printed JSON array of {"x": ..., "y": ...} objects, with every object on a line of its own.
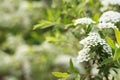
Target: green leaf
[
  {"x": 110, "y": 42},
  {"x": 106, "y": 61},
  {"x": 96, "y": 16},
  {"x": 44, "y": 24},
  {"x": 68, "y": 26},
  {"x": 50, "y": 15},
  {"x": 52, "y": 39},
  {"x": 117, "y": 35},
  {"x": 58, "y": 20},
  {"x": 77, "y": 77},
  {"x": 72, "y": 70},
  {"x": 60, "y": 74},
  {"x": 88, "y": 29},
  {"x": 117, "y": 54}
]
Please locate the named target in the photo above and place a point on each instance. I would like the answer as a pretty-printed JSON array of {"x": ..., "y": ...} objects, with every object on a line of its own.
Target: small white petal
[
  {"x": 110, "y": 16},
  {"x": 106, "y": 25},
  {"x": 110, "y": 2},
  {"x": 84, "y": 21}
]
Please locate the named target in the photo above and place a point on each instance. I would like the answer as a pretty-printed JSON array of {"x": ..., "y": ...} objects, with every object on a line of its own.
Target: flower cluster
[
  {"x": 107, "y": 48},
  {"x": 110, "y": 16},
  {"x": 110, "y": 2},
  {"x": 83, "y": 55},
  {"x": 93, "y": 40},
  {"x": 105, "y": 25},
  {"x": 85, "y": 20}
]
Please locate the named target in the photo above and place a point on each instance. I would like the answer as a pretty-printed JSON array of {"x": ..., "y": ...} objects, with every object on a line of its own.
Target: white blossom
[
  {"x": 107, "y": 3},
  {"x": 21, "y": 52},
  {"x": 110, "y": 2},
  {"x": 84, "y": 20},
  {"x": 93, "y": 40},
  {"x": 106, "y": 48},
  {"x": 106, "y": 25},
  {"x": 83, "y": 55},
  {"x": 110, "y": 16},
  {"x": 94, "y": 71}
]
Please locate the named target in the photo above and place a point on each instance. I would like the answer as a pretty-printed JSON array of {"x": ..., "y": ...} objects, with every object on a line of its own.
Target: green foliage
[
  {"x": 110, "y": 42},
  {"x": 60, "y": 74},
  {"x": 72, "y": 69},
  {"x": 117, "y": 35},
  {"x": 117, "y": 50},
  {"x": 32, "y": 54},
  {"x": 78, "y": 77},
  {"x": 106, "y": 61},
  {"x": 43, "y": 25},
  {"x": 117, "y": 54}
]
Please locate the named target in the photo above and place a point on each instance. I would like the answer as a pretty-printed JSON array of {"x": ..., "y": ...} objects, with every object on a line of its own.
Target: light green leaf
[
  {"x": 68, "y": 26},
  {"x": 52, "y": 39},
  {"x": 80, "y": 11},
  {"x": 110, "y": 42},
  {"x": 117, "y": 54},
  {"x": 50, "y": 15},
  {"x": 96, "y": 17},
  {"x": 60, "y": 74},
  {"x": 77, "y": 77},
  {"x": 106, "y": 61},
  {"x": 44, "y": 24},
  {"x": 117, "y": 35},
  {"x": 58, "y": 20}
]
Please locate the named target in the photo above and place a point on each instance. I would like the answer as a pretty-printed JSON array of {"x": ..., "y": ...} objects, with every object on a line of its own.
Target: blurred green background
[{"x": 37, "y": 37}]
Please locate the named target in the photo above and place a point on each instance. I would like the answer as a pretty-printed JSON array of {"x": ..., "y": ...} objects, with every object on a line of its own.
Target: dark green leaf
[
  {"x": 72, "y": 70},
  {"x": 88, "y": 29},
  {"x": 106, "y": 61}
]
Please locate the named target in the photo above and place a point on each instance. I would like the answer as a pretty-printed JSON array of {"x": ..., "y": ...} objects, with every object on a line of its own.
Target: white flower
[
  {"x": 94, "y": 70},
  {"x": 107, "y": 3},
  {"x": 84, "y": 21},
  {"x": 106, "y": 48},
  {"x": 106, "y": 25},
  {"x": 83, "y": 55},
  {"x": 110, "y": 2},
  {"x": 110, "y": 16},
  {"x": 93, "y": 40}
]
